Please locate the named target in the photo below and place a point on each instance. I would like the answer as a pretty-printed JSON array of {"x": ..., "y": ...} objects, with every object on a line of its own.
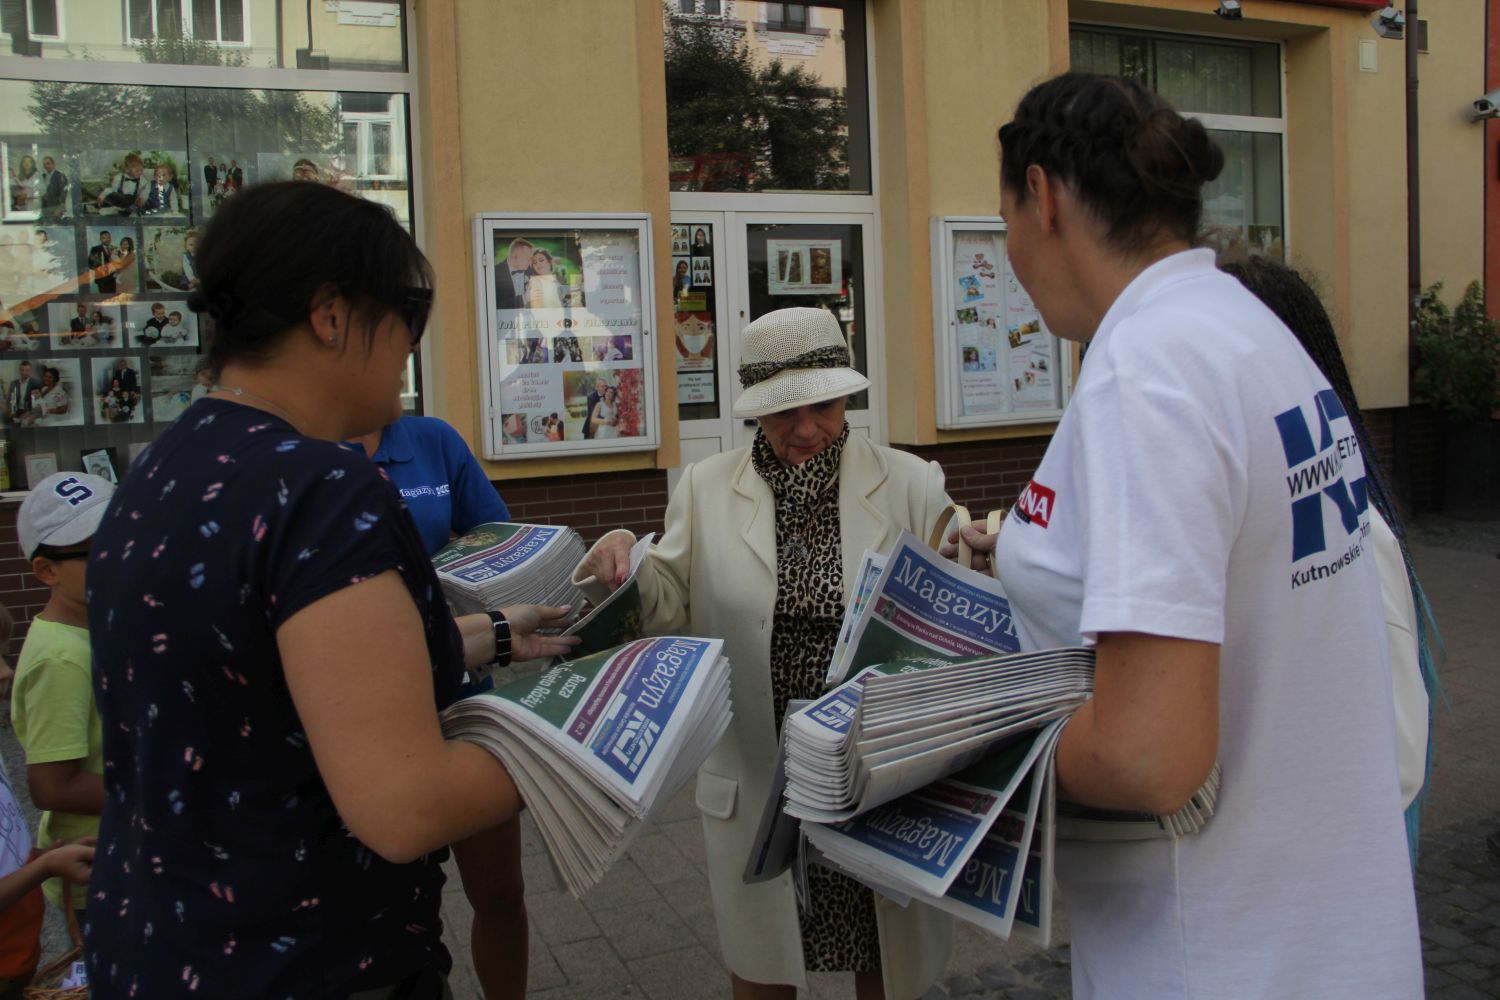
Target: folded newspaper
[
  {"x": 496, "y": 565},
  {"x": 612, "y": 616},
  {"x": 929, "y": 773},
  {"x": 595, "y": 745},
  {"x": 958, "y": 843}
]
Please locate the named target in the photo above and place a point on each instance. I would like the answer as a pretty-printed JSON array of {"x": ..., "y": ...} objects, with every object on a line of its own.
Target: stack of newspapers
[
  {"x": 497, "y": 565},
  {"x": 596, "y": 744},
  {"x": 928, "y": 771}
]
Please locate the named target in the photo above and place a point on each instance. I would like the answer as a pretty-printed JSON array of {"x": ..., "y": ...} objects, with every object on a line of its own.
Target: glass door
[
  {"x": 816, "y": 261},
  {"x": 729, "y": 268}
]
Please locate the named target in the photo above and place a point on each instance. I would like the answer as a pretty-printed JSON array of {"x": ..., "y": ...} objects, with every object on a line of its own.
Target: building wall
[
  {"x": 1452, "y": 75},
  {"x": 556, "y": 107}
]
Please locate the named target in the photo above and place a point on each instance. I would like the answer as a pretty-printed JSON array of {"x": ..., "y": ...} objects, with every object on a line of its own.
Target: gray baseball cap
[{"x": 63, "y": 509}]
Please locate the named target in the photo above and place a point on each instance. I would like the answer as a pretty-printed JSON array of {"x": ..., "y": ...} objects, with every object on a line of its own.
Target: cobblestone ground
[
  {"x": 1458, "y": 901},
  {"x": 647, "y": 931}
]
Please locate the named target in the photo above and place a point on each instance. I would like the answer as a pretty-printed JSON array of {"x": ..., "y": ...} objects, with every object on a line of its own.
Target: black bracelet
[{"x": 502, "y": 638}]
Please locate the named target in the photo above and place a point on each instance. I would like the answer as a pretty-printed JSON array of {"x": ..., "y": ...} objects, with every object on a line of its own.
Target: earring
[{"x": 333, "y": 340}]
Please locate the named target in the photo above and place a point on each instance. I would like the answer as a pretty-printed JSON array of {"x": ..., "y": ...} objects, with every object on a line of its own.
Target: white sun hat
[{"x": 794, "y": 357}]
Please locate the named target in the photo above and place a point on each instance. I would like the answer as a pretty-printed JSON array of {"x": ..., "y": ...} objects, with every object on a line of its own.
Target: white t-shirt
[
  {"x": 1204, "y": 484},
  {"x": 15, "y": 838}
]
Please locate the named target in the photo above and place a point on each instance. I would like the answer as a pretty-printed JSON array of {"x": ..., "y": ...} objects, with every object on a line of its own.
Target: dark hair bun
[{"x": 1126, "y": 154}]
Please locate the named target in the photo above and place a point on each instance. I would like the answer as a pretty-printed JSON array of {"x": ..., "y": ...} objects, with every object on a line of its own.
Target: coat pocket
[{"x": 716, "y": 795}]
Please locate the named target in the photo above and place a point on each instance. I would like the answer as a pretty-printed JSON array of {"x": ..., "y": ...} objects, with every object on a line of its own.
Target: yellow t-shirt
[{"x": 52, "y": 707}]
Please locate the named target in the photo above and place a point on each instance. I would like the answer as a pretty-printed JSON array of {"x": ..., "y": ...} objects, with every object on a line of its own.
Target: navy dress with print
[{"x": 223, "y": 869}]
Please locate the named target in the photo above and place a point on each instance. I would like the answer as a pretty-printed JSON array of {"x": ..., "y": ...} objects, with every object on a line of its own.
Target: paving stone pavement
[{"x": 647, "y": 931}]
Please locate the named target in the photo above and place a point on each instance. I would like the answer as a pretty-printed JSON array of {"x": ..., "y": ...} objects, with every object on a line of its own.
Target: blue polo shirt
[{"x": 437, "y": 475}]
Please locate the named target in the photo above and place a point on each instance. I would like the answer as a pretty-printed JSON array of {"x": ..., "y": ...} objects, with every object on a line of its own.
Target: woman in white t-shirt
[{"x": 1200, "y": 517}]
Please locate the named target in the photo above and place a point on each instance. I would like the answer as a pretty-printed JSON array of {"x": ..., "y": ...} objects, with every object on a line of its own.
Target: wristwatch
[{"x": 502, "y": 638}]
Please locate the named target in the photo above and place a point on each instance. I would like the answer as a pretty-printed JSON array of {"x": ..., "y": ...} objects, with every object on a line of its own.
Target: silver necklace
[{"x": 238, "y": 393}]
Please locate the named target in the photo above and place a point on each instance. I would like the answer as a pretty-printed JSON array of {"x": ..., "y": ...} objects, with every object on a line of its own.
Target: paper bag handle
[{"x": 955, "y": 516}]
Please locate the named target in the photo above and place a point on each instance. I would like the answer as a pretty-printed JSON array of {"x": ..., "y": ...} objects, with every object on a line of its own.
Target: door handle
[{"x": 749, "y": 421}]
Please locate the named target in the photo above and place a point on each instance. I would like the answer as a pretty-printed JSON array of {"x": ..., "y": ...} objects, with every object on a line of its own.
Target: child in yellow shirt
[{"x": 52, "y": 699}]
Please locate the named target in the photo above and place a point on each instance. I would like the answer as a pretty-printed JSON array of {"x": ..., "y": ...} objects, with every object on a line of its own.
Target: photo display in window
[{"x": 108, "y": 190}]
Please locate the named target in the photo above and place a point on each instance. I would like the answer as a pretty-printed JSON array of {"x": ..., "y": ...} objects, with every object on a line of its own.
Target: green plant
[{"x": 1458, "y": 352}]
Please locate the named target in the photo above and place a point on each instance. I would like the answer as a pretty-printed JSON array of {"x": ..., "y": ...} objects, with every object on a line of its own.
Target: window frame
[
  {"x": 185, "y": 11},
  {"x": 1259, "y": 124},
  {"x": 404, "y": 84},
  {"x": 62, "y": 31}
]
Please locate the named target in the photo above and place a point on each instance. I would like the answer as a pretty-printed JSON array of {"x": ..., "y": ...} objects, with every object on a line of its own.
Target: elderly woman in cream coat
[{"x": 761, "y": 547}]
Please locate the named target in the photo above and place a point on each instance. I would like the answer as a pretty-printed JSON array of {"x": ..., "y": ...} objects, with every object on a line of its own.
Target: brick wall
[
  {"x": 19, "y": 590},
  {"x": 987, "y": 474},
  {"x": 591, "y": 505},
  {"x": 981, "y": 476}
]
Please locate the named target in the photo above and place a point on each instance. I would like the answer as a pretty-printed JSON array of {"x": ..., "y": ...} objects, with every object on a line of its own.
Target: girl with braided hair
[{"x": 1201, "y": 518}]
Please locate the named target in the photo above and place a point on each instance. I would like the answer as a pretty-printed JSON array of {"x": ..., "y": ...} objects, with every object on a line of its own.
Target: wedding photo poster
[{"x": 567, "y": 342}]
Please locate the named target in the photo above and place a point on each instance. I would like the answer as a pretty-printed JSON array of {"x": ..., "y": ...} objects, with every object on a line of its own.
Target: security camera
[
  {"x": 1487, "y": 106},
  {"x": 1230, "y": 10},
  {"x": 1389, "y": 22}
]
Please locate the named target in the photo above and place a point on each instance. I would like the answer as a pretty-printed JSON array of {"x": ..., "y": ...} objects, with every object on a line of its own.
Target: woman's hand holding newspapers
[
  {"x": 526, "y": 643},
  {"x": 983, "y": 546}
]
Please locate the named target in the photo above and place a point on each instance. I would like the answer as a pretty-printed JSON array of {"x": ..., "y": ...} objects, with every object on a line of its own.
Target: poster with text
[
  {"x": 568, "y": 335},
  {"x": 804, "y": 267},
  {"x": 978, "y": 309}
]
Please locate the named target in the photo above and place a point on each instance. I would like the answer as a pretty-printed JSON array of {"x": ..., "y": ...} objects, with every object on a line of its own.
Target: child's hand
[{"x": 72, "y": 861}]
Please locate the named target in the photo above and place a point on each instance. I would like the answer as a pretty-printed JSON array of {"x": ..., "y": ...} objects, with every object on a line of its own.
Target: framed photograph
[
  {"x": 84, "y": 323},
  {"x": 170, "y": 255},
  {"x": 101, "y": 462},
  {"x": 803, "y": 267},
  {"x": 39, "y": 465},
  {"x": 117, "y": 396},
  {"x": 565, "y": 336},
  {"x": 22, "y": 329},
  {"x": 43, "y": 392},
  {"x": 997, "y": 363},
  {"x": 218, "y": 175},
  {"x": 37, "y": 263},
  {"x": 135, "y": 182},
  {"x": 21, "y": 165},
  {"x": 177, "y": 381},
  {"x": 161, "y": 323},
  {"x": 113, "y": 260}
]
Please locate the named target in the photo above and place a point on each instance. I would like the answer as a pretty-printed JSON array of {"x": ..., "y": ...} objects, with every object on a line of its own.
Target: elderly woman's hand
[
  {"x": 609, "y": 560},
  {"x": 982, "y": 545}
]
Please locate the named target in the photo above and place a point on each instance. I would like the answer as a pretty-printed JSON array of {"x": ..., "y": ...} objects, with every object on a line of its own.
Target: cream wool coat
[{"x": 714, "y": 574}]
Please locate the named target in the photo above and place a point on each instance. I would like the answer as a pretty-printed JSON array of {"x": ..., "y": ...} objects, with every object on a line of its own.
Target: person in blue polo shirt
[
  {"x": 448, "y": 494},
  {"x": 441, "y": 481}
]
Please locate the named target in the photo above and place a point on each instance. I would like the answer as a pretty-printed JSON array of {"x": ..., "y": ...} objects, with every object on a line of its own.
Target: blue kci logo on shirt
[{"x": 1315, "y": 474}]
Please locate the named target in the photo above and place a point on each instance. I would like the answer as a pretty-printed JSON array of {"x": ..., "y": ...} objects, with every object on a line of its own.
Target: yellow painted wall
[
  {"x": 1451, "y": 76},
  {"x": 1346, "y": 166},
  {"x": 556, "y": 107},
  {"x": 946, "y": 74}
]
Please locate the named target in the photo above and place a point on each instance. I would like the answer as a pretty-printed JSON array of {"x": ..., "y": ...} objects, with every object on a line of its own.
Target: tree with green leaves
[
  {"x": 83, "y": 116},
  {"x": 776, "y": 128}
]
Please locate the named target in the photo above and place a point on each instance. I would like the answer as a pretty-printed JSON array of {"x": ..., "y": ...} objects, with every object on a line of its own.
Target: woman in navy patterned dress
[{"x": 271, "y": 648}]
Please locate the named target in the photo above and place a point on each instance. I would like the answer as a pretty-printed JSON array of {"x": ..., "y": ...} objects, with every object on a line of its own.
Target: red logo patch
[{"x": 1035, "y": 505}]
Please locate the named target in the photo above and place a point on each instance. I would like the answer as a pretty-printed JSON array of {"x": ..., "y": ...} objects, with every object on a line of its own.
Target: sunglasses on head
[{"x": 414, "y": 307}]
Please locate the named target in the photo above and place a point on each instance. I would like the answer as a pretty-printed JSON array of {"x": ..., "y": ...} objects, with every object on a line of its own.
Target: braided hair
[{"x": 1136, "y": 164}]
